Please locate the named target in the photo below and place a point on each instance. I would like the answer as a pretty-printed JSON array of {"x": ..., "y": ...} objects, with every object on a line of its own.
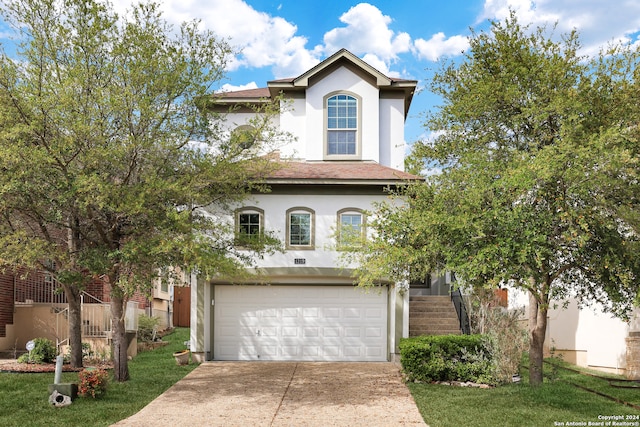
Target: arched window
[
  {"x": 342, "y": 121},
  {"x": 249, "y": 225},
  {"x": 351, "y": 227},
  {"x": 300, "y": 228},
  {"x": 244, "y": 137}
]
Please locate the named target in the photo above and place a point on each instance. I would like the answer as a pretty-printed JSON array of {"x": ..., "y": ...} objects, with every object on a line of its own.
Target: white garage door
[{"x": 315, "y": 323}]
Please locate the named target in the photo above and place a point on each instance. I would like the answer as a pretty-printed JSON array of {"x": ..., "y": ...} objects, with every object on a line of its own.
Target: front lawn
[
  {"x": 555, "y": 403},
  {"x": 24, "y": 396}
]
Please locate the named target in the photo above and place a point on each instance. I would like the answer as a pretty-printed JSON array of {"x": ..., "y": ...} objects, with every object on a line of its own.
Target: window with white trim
[
  {"x": 300, "y": 228},
  {"x": 351, "y": 227},
  {"x": 342, "y": 125}
]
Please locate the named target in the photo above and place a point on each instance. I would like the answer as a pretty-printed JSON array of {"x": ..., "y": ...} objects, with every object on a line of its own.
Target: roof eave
[
  {"x": 362, "y": 182},
  {"x": 242, "y": 100}
]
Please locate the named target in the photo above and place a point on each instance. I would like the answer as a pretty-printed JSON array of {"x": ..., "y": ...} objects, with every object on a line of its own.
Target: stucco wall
[
  {"x": 392, "y": 143},
  {"x": 163, "y": 311},
  {"x": 590, "y": 330},
  {"x": 36, "y": 321},
  {"x": 325, "y": 206},
  {"x": 344, "y": 81},
  {"x": 584, "y": 336}
]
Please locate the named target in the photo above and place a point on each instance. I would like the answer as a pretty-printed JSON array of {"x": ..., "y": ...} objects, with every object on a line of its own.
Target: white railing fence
[
  {"x": 62, "y": 326},
  {"x": 96, "y": 316}
]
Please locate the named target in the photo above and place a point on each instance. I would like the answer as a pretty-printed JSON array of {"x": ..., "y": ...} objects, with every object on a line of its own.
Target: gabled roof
[
  {"x": 303, "y": 79},
  {"x": 300, "y": 83},
  {"x": 343, "y": 172}
]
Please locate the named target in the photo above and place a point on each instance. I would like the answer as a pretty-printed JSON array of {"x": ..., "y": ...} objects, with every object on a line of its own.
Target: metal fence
[
  {"x": 42, "y": 288},
  {"x": 37, "y": 288},
  {"x": 96, "y": 316}
]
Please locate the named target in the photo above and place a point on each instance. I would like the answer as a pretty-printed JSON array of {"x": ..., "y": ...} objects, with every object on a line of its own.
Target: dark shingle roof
[
  {"x": 338, "y": 171},
  {"x": 261, "y": 92}
]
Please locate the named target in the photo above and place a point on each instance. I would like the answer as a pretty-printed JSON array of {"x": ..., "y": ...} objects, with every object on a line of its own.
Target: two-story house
[{"x": 348, "y": 122}]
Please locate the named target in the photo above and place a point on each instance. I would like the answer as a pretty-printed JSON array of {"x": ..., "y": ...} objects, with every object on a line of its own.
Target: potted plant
[{"x": 182, "y": 357}]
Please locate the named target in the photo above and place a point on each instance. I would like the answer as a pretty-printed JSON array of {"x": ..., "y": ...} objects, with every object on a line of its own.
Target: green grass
[
  {"x": 24, "y": 397},
  {"x": 556, "y": 401}
]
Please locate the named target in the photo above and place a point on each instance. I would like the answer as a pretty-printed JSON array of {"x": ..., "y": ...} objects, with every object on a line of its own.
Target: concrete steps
[{"x": 432, "y": 315}]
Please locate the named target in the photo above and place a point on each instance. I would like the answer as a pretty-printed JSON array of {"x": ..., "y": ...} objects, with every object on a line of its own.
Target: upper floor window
[
  {"x": 342, "y": 125},
  {"x": 243, "y": 137},
  {"x": 351, "y": 223},
  {"x": 300, "y": 228},
  {"x": 249, "y": 225}
]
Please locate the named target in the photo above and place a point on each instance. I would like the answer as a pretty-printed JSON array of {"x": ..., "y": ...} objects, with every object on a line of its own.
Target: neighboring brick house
[
  {"x": 6, "y": 303},
  {"x": 33, "y": 305}
]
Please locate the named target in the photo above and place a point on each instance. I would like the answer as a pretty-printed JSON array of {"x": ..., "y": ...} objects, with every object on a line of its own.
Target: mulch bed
[{"x": 36, "y": 368}]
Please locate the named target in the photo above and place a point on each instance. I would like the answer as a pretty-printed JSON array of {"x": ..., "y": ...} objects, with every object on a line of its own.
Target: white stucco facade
[
  {"x": 589, "y": 336},
  {"x": 325, "y": 208},
  {"x": 310, "y": 309},
  {"x": 586, "y": 336}
]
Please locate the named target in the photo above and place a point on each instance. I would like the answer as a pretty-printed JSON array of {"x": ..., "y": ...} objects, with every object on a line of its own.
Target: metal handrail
[
  {"x": 95, "y": 300},
  {"x": 461, "y": 311}
]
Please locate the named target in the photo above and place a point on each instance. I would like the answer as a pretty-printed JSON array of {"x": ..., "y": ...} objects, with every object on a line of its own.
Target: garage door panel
[
  {"x": 373, "y": 332},
  {"x": 310, "y": 312},
  {"x": 290, "y": 331},
  {"x": 331, "y": 332},
  {"x": 373, "y": 313},
  {"x": 352, "y": 332},
  {"x": 329, "y": 323},
  {"x": 352, "y": 351},
  {"x": 290, "y": 313}
]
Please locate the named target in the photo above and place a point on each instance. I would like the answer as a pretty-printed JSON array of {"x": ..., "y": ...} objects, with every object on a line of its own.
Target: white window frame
[
  {"x": 357, "y": 155},
  {"x": 312, "y": 228},
  {"x": 352, "y": 212}
]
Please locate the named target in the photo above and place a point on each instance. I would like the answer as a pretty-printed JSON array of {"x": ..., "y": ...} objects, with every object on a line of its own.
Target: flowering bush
[{"x": 93, "y": 382}]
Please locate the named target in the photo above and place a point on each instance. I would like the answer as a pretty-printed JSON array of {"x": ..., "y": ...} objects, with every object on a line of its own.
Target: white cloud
[
  {"x": 271, "y": 41},
  {"x": 598, "y": 22},
  {"x": 262, "y": 39},
  {"x": 438, "y": 46},
  {"x": 367, "y": 33},
  {"x": 232, "y": 88},
  {"x": 377, "y": 63}
]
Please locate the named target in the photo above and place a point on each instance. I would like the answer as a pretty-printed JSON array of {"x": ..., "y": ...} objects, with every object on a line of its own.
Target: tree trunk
[
  {"x": 537, "y": 332},
  {"x": 75, "y": 324},
  {"x": 119, "y": 343},
  {"x": 74, "y": 298}
]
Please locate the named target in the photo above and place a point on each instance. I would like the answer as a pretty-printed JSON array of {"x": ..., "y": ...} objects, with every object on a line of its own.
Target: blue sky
[{"x": 401, "y": 38}]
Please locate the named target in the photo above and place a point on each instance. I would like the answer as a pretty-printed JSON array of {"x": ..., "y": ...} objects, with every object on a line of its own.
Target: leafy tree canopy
[
  {"x": 108, "y": 153},
  {"x": 538, "y": 150}
]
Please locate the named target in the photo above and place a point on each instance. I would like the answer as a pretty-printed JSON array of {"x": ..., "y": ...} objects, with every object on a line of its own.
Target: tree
[
  {"x": 109, "y": 155},
  {"x": 538, "y": 189}
]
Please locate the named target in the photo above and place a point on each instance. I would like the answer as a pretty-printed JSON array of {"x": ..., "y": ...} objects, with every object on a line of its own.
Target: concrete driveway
[{"x": 284, "y": 394}]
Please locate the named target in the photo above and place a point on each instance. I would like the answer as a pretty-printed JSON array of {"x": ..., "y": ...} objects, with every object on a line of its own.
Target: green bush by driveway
[{"x": 447, "y": 358}]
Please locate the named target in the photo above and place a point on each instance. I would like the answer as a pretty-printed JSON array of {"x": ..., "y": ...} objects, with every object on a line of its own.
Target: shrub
[
  {"x": 506, "y": 337},
  {"x": 87, "y": 352},
  {"x": 44, "y": 351},
  {"x": 147, "y": 326},
  {"x": 447, "y": 358},
  {"x": 93, "y": 382}
]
